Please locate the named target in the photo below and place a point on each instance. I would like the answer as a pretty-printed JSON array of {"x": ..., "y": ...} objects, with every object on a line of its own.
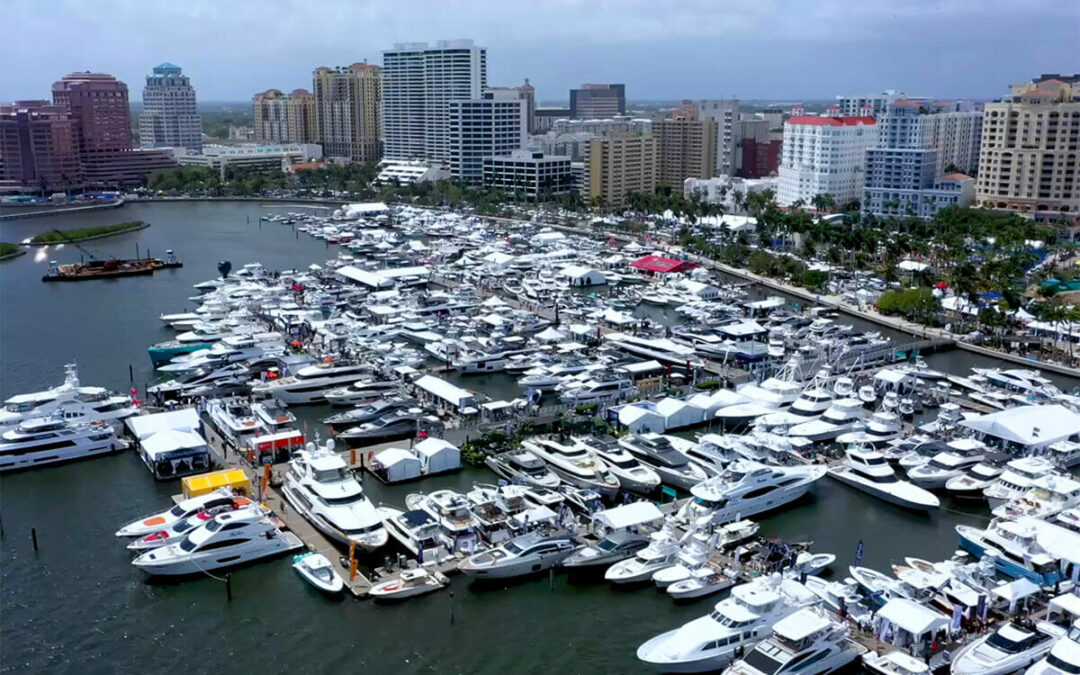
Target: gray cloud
[{"x": 773, "y": 49}]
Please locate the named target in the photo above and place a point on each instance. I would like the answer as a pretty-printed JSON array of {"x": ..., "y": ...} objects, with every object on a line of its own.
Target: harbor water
[{"x": 77, "y": 606}]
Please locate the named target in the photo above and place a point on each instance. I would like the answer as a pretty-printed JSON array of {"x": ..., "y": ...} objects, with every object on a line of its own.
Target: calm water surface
[{"x": 77, "y": 606}]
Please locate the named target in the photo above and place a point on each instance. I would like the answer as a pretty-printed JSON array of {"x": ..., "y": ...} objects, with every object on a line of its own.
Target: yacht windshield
[
  {"x": 627, "y": 463},
  {"x": 1062, "y": 665},
  {"x": 1009, "y": 645},
  {"x": 767, "y": 658},
  {"x": 177, "y": 511},
  {"x": 187, "y": 545},
  {"x": 512, "y": 547},
  {"x": 214, "y": 525},
  {"x": 606, "y": 545},
  {"x": 328, "y": 475}
]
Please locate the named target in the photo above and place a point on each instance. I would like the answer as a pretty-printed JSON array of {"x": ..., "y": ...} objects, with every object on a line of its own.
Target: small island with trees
[
  {"x": 10, "y": 250},
  {"x": 85, "y": 233}
]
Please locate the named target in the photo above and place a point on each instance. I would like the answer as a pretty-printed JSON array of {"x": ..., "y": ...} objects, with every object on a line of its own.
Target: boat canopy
[
  {"x": 206, "y": 483},
  {"x": 629, "y": 515},
  {"x": 913, "y": 617},
  {"x": 1028, "y": 425},
  {"x": 1016, "y": 590}
]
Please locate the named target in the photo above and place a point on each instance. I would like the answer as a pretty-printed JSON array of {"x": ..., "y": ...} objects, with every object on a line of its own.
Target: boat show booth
[{"x": 170, "y": 443}]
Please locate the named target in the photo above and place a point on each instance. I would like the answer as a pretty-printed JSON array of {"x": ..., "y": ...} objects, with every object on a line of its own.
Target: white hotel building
[{"x": 824, "y": 155}]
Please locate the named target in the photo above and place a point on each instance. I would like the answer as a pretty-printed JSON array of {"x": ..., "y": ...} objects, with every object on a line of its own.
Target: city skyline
[{"x": 750, "y": 50}]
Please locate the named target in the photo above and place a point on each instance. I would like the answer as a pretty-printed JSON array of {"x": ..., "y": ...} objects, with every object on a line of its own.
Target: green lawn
[
  {"x": 7, "y": 249},
  {"x": 66, "y": 236}
]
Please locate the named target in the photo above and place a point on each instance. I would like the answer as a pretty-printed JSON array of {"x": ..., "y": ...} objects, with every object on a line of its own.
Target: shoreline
[
  {"x": 106, "y": 235},
  {"x": 12, "y": 256},
  {"x": 59, "y": 211}
]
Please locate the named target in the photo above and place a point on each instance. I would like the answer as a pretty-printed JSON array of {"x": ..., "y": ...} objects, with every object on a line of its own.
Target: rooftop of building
[
  {"x": 956, "y": 176},
  {"x": 824, "y": 121}
]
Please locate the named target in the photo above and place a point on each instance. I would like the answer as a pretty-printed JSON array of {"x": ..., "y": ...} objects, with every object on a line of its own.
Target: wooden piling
[
  {"x": 33, "y": 537},
  {"x": 228, "y": 587}
]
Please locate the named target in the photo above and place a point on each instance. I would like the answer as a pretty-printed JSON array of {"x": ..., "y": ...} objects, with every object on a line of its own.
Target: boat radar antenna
[{"x": 72, "y": 374}]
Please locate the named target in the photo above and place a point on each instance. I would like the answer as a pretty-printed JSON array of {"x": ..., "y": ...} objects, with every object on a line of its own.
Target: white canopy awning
[
  {"x": 629, "y": 515},
  {"x": 1017, "y": 589},
  {"x": 911, "y": 616}
]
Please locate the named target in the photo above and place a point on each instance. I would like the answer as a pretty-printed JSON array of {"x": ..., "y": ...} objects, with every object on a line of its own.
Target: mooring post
[
  {"x": 228, "y": 586},
  {"x": 33, "y": 537},
  {"x": 451, "y": 608}
]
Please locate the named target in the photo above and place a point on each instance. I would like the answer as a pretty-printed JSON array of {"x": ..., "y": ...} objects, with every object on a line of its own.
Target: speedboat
[
  {"x": 522, "y": 555},
  {"x": 418, "y": 531},
  {"x": 703, "y": 581},
  {"x": 894, "y": 663},
  {"x": 659, "y": 453},
  {"x": 1064, "y": 656},
  {"x": 318, "y": 571},
  {"x": 390, "y": 427},
  {"x": 736, "y": 624},
  {"x": 319, "y": 486},
  {"x": 408, "y": 584},
  {"x": 311, "y": 384},
  {"x": 868, "y": 470},
  {"x": 974, "y": 481},
  {"x": 808, "y": 642},
  {"x": 661, "y": 553},
  {"x": 575, "y": 465},
  {"x": 630, "y": 472},
  {"x": 522, "y": 466},
  {"x": 614, "y": 547},
  {"x": 41, "y": 441},
  {"x": 156, "y": 522},
  {"x": 179, "y": 528},
  {"x": 230, "y": 539},
  {"x": 812, "y": 564},
  {"x": 962, "y": 454},
  {"x": 745, "y": 488},
  {"x": 1007, "y": 649}
]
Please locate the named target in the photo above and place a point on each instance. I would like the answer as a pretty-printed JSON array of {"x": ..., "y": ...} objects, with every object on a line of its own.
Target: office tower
[
  {"x": 594, "y": 101},
  {"x": 1028, "y": 159},
  {"x": 824, "y": 155},
  {"x": 169, "y": 117},
  {"x": 494, "y": 125},
  {"x": 419, "y": 82},
  {"x": 530, "y": 175},
  {"x": 39, "y": 147},
  {"x": 725, "y": 112},
  {"x": 526, "y": 93},
  {"x": 347, "y": 111},
  {"x": 618, "y": 166}
]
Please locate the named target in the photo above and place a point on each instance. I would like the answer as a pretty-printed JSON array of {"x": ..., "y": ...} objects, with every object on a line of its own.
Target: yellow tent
[{"x": 208, "y": 482}]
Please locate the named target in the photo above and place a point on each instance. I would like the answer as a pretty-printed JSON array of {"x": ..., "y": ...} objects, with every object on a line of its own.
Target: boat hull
[{"x": 846, "y": 478}]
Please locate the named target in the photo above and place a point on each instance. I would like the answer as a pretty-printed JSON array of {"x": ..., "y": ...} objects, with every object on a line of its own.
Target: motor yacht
[
  {"x": 601, "y": 387},
  {"x": 973, "y": 482},
  {"x": 661, "y": 553},
  {"x": 893, "y": 663},
  {"x": 1063, "y": 658},
  {"x": 230, "y": 349},
  {"x": 631, "y": 473},
  {"x": 368, "y": 412},
  {"x": 527, "y": 554},
  {"x": 43, "y": 441},
  {"x": 708, "y": 579},
  {"x": 810, "y": 405},
  {"x": 523, "y": 467},
  {"x": 418, "y": 531},
  {"x": 312, "y": 383},
  {"x": 840, "y": 596},
  {"x": 867, "y": 470},
  {"x": 361, "y": 391},
  {"x": 843, "y": 416},
  {"x": 391, "y": 426},
  {"x": 1047, "y": 496},
  {"x": 157, "y": 521},
  {"x": 658, "y": 452},
  {"x": 696, "y": 551},
  {"x": 69, "y": 401},
  {"x": 773, "y": 394},
  {"x": 1007, "y": 649},
  {"x": 1014, "y": 549},
  {"x": 1029, "y": 383},
  {"x": 961, "y": 455},
  {"x": 230, "y": 539},
  {"x": 575, "y": 465},
  {"x": 735, "y": 625},
  {"x": 808, "y": 642},
  {"x": 881, "y": 427},
  {"x": 746, "y": 488},
  {"x": 547, "y": 378},
  {"x": 178, "y": 529},
  {"x": 234, "y": 420},
  {"x": 319, "y": 486},
  {"x": 450, "y": 509},
  {"x": 614, "y": 547},
  {"x": 1017, "y": 478}
]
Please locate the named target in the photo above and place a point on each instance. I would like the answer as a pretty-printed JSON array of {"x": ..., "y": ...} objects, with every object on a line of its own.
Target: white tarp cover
[
  {"x": 1018, "y": 589},
  {"x": 1029, "y": 424},
  {"x": 913, "y": 617},
  {"x": 629, "y": 515}
]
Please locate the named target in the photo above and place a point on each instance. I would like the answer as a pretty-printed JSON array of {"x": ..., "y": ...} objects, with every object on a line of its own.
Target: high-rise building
[
  {"x": 301, "y": 116},
  {"x": 595, "y": 101},
  {"x": 419, "y": 82},
  {"x": 824, "y": 155},
  {"x": 1028, "y": 159},
  {"x": 685, "y": 148},
  {"x": 532, "y": 175},
  {"x": 873, "y": 105},
  {"x": 98, "y": 103},
  {"x": 99, "y": 106},
  {"x": 902, "y": 168},
  {"x": 39, "y": 147},
  {"x": 491, "y": 126},
  {"x": 759, "y": 147},
  {"x": 527, "y": 93},
  {"x": 169, "y": 117},
  {"x": 618, "y": 166},
  {"x": 270, "y": 110},
  {"x": 956, "y": 135},
  {"x": 725, "y": 112},
  {"x": 347, "y": 111}
]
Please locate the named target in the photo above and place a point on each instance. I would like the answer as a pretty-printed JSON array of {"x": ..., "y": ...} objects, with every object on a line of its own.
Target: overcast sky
[{"x": 666, "y": 50}]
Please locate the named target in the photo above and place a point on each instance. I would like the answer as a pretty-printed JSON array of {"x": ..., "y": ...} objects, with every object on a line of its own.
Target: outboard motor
[{"x": 224, "y": 267}]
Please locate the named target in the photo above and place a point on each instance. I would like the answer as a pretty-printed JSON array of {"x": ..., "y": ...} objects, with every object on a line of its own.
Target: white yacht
[
  {"x": 70, "y": 401},
  {"x": 973, "y": 482},
  {"x": 234, "y": 419},
  {"x": 632, "y": 474},
  {"x": 882, "y": 427},
  {"x": 522, "y": 466},
  {"x": 1047, "y": 496},
  {"x": 614, "y": 547},
  {"x": 174, "y": 531},
  {"x": 547, "y": 378},
  {"x": 575, "y": 465},
  {"x": 311, "y": 384},
  {"x": 1064, "y": 656},
  {"x": 361, "y": 391},
  {"x": 42, "y": 441},
  {"x": 808, "y": 642},
  {"x": 230, "y": 539},
  {"x": 1007, "y": 649},
  {"x": 1014, "y": 549},
  {"x": 602, "y": 387},
  {"x": 659, "y": 453},
  {"x": 867, "y": 470},
  {"x": 661, "y": 553},
  {"x": 527, "y": 554},
  {"x": 736, "y": 624},
  {"x": 962, "y": 454},
  {"x": 772, "y": 395},
  {"x": 418, "y": 531},
  {"x": 231, "y": 349},
  {"x": 1016, "y": 479},
  {"x": 811, "y": 404},
  {"x": 319, "y": 486},
  {"x": 843, "y": 416},
  {"x": 457, "y": 524},
  {"x": 211, "y": 501},
  {"x": 746, "y": 488}
]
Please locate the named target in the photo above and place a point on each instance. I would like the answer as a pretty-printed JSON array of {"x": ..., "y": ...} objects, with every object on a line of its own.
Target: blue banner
[{"x": 859, "y": 552}]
